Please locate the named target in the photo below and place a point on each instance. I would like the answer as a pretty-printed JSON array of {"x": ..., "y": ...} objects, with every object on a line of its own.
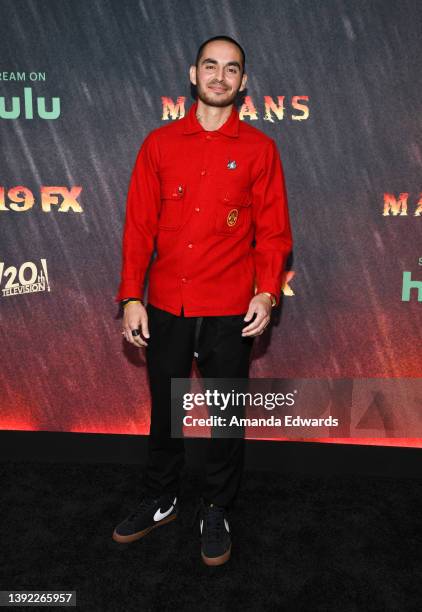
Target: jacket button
[
  {"x": 203, "y": 172},
  {"x": 208, "y": 137},
  {"x": 180, "y": 189},
  {"x": 197, "y": 208},
  {"x": 184, "y": 280},
  {"x": 190, "y": 245}
]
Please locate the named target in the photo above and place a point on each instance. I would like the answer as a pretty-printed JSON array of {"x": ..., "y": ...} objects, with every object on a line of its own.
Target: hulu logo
[
  {"x": 408, "y": 285},
  {"x": 28, "y": 107}
]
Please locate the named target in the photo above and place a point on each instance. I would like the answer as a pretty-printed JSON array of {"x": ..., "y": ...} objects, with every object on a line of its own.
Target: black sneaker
[
  {"x": 150, "y": 513},
  {"x": 215, "y": 534}
]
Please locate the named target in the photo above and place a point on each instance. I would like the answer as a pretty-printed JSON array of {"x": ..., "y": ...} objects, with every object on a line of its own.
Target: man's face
[{"x": 218, "y": 77}]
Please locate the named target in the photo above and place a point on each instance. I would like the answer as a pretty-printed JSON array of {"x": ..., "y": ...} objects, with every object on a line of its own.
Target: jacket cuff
[{"x": 130, "y": 288}]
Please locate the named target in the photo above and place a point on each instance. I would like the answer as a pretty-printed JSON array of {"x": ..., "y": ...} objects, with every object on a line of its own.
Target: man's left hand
[{"x": 261, "y": 305}]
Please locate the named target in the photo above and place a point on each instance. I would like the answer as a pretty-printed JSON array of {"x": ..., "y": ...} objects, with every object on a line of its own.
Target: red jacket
[{"x": 200, "y": 198}]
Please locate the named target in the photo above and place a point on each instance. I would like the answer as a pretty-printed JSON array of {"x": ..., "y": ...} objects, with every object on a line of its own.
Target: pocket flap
[{"x": 172, "y": 190}]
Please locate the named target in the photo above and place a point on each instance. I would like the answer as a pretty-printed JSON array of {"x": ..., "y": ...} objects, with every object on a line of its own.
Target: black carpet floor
[{"x": 299, "y": 542}]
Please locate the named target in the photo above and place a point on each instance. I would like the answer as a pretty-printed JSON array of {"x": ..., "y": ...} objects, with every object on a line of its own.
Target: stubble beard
[{"x": 211, "y": 100}]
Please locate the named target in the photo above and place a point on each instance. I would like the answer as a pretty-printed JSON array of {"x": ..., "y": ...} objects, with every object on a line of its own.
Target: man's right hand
[{"x": 134, "y": 317}]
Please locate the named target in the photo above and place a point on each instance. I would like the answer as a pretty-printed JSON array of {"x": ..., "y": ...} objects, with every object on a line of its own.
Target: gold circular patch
[{"x": 232, "y": 217}]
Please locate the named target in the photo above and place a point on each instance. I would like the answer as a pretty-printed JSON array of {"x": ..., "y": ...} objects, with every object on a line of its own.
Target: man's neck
[{"x": 212, "y": 117}]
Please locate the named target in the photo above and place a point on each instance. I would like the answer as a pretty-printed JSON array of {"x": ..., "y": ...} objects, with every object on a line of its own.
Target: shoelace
[
  {"x": 146, "y": 503},
  {"x": 213, "y": 517},
  {"x": 213, "y": 521}
]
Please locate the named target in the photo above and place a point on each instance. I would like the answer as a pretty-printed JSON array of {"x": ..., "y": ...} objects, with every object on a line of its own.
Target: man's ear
[
  {"x": 243, "y": 82},
  {"x": 192, "y": 75}
]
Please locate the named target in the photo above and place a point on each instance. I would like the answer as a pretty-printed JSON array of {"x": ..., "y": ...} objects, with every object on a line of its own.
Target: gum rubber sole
[
  {"x": 213, "y": 561},
  {"x": 127, "y": 539}
]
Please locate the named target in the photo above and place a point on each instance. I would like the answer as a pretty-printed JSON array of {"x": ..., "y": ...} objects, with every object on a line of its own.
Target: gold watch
[
  {"x": 272, "y": 298},
  {"x": 126, "y": 301}
]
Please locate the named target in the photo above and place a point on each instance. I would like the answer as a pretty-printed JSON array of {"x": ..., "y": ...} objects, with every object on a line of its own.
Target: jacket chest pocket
[
  {"x": 172, "y": 194},
  {"x": 234, "y": 213}
]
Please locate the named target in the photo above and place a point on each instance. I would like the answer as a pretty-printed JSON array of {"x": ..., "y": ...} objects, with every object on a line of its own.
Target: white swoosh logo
[{"x": 158, "y": 516}]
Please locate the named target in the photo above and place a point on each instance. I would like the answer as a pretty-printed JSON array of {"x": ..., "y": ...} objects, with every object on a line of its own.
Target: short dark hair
[{"x": 228, "y": 39}]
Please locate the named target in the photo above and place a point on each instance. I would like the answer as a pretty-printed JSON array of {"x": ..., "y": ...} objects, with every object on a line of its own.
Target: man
[{"x": 203, "y": 189}]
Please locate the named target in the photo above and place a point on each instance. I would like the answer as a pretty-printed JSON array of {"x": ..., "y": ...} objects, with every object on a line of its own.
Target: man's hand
[
  {"x": 135, "y": 316},
  {"x": 261, "y": 304}
]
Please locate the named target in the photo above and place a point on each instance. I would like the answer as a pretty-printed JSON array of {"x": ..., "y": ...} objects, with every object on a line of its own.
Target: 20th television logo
[{"x": 29, "y": 277}]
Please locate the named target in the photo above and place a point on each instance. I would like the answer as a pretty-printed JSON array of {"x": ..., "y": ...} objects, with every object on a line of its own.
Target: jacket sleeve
[
  {"x": 273, "y": 236},
  {"x": 141, "y": 220}
]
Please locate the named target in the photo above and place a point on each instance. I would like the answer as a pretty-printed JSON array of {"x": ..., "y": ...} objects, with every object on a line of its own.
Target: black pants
[{"x": 222, "y": 353}]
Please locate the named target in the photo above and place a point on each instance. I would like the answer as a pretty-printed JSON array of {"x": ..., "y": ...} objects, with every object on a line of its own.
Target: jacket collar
[{"x": 229, "y": 128}]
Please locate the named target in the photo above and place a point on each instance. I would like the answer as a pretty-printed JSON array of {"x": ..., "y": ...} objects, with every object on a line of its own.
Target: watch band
[
  {"x": 272, "y": 298},
  {"x": 127, "y": 300}
]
